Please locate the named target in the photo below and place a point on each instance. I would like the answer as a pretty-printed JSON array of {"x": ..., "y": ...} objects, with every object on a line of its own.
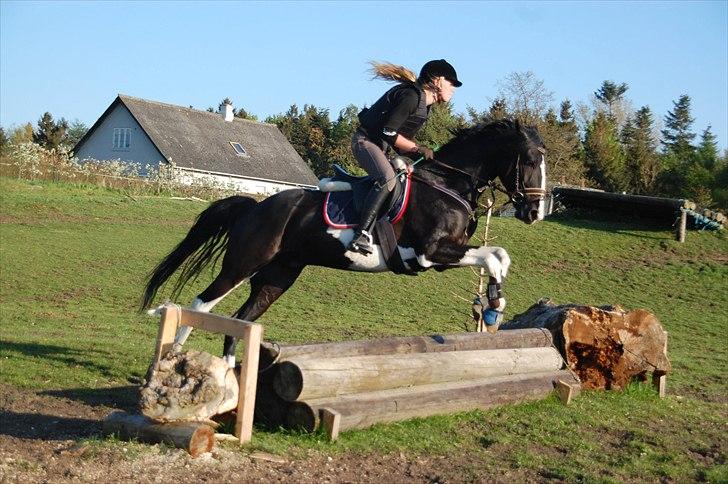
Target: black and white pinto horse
[{"x": 270, "y": 242}]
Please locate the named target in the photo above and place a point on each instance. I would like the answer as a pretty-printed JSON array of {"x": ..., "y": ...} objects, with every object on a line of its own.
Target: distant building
[{"x": 248, "y": 156}]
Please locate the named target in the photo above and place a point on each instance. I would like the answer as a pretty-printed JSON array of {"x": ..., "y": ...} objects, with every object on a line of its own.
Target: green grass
[{"x": 73, "y": 260}]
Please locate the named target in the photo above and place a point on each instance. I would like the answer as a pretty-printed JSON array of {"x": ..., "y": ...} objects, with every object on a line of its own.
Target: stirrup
[{"x": 362, "y": 243}]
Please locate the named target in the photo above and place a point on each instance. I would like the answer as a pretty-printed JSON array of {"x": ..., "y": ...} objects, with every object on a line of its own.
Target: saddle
[{"x": 346, "y": 195}]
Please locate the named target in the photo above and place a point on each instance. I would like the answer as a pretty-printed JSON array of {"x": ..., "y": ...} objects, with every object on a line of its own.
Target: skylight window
[{"x": 239, "y": 150}]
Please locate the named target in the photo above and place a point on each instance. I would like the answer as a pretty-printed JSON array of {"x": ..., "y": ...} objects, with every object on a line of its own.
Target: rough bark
[
  {"x": 605, "y": 346},
  {"x": 366, "y": 409},
  {"x": 309, "y": 377},
  {"x": 195, "y": 438},
  {"x": 189, "y": 385}
]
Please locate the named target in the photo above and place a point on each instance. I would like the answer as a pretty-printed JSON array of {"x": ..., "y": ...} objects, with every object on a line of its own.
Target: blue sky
[{"x": 72, "y": 58}]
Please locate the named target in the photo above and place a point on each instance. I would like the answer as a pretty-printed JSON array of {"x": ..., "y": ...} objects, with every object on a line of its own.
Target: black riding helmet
[{"x": 437, "y": 68}]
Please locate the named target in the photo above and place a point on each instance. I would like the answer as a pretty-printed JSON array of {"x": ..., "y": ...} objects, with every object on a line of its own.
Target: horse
[{"x": 270, "y": 242}]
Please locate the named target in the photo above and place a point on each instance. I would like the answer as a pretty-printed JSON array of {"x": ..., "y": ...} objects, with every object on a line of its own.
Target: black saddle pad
[{"x": 342, "y": 209}]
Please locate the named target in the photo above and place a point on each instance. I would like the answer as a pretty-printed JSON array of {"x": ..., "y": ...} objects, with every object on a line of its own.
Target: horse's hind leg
[
  {"x": 224, "y": 284},
  {"x": 266, "y": 286}
]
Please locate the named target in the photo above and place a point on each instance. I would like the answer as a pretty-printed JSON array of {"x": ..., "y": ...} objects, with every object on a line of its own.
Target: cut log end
[
  {"x": 195, "y": 438},
  {"x": 288, "y": 381}
]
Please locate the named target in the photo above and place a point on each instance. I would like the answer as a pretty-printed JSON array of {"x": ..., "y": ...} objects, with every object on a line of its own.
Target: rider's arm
[{"x": 405, "y": 146}]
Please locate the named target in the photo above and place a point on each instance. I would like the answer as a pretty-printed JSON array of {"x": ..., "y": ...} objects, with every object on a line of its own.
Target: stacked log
[{"x": 392, "y": 379}]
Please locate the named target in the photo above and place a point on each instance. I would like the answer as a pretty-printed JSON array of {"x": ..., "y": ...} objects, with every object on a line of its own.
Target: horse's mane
[{"x": 496, "y": 128}]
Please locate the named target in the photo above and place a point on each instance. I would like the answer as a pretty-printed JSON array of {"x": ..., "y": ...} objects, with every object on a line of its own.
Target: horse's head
[
  {"x": 506, "y": 150},
  {"x": 522, "y": 170}
]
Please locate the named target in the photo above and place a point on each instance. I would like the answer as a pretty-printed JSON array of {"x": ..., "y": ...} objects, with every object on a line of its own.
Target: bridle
[{"x": 520, "y": 195}]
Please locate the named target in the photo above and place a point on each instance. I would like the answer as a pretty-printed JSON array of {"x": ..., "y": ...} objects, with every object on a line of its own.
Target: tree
[
  {"x": 498, "y": 110},
  {"x": 50, "y": 134},
  {"x": 76, "y": 131},
  {"x": 309, "y": 133},
  {"x": 677, "y": 135},
  {"x": 22, "y": 134},
  {"x": 707, "y": 152},
  {"x": 4, "y": 140},
  {"x": 561, "y": 137},
  {"x": 440, "y": 126},
  {"x": 603, "y": 154},
  {"x": 526, "y": 96},
  {"x": 643, "y": 163},
  {"x": 610, "y": 94},
  {"x": 243, "y": 114}
]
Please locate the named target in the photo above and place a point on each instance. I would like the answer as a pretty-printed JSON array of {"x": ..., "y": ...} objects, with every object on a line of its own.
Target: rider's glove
[{"x": 426, "y": 152}]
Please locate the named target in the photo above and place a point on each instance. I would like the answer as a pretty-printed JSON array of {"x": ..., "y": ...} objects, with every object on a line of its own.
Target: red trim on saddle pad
[{"x": 397, "y": 217}]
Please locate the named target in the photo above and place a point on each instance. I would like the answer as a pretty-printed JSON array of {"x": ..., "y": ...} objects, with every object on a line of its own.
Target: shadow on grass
[
  {"x": 67, "y": 356},
  {"x": 40, "y": 426},
  {"x": 122, "y": 398}
]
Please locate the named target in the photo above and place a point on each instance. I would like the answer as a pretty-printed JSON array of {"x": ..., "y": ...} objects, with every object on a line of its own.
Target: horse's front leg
[
  {"x": 449, "y": 254},
  {"x": 494, "y": 259}
]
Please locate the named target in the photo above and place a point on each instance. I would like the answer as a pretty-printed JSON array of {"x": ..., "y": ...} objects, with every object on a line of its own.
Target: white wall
[
  {"x": 99, "y": 146},
  {"x": 239, "y": 184}
]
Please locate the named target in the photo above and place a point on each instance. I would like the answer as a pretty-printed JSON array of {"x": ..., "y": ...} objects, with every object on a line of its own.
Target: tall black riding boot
[{"x": 362, "y": 241}]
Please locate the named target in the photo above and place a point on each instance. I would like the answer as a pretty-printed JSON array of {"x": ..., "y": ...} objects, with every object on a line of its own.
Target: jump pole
[{"x": 173, "y": 316}]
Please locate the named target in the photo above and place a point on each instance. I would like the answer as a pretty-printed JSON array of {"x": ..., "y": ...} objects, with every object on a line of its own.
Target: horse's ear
[{"x": 518, "y": 125}]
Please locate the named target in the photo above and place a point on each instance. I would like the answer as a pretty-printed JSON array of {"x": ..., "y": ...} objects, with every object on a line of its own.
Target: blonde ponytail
[{"x": 392, "y": 72}]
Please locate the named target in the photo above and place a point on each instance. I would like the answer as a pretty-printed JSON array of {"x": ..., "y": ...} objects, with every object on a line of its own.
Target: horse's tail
[{"x": 205, "y": 242}]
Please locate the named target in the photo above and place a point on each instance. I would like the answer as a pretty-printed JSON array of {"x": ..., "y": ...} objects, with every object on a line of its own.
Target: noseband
[{"x": 522, "y": 193}]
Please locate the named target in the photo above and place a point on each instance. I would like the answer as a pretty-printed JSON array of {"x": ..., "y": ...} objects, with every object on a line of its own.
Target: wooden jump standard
[{"x": 195, "y": 437}]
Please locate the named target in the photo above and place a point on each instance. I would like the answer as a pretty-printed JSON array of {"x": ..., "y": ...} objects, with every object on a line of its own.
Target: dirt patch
[{"x": 50, "y": 436}]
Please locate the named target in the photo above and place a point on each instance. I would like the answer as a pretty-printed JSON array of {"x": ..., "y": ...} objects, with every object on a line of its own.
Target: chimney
[{"x": 226, "y": 109}]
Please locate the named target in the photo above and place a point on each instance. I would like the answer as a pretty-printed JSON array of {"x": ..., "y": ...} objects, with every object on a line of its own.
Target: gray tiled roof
[{"x": 191, "y": 138}]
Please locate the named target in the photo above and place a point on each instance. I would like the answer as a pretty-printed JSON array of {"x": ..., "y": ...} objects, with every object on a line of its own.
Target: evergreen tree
[
  {"x": 643, "y": 163},
  {"x": 498, "y": 110},
  {"x": 604, "y": 156},
  {"x": 564, "y": 163},
  {"x": 610, "y": 94},
  {"x": 677, "y": 135},
  {"x": 243, "y": 114},
  {"x": 50, "y": 134},
  {"x": 708, "y": 149},
  {"x": 439, "y": 127},
  {"x": 76, "y": 131}
]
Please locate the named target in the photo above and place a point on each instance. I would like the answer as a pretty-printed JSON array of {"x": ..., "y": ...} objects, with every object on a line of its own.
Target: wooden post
[
  {"x": 331, "y": 422},
  {"x": 659, "y": 380},
  {"x": 680, "y": 236},
  {"x": 566, "y": 391},
  {"x": 171, "y": 316},
  {"x": 251, "y": 334},
  {"x": 248, "y": 379}
]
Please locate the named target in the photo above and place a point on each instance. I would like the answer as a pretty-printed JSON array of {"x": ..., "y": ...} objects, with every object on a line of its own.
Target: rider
[{"x": 391, "y": 123}]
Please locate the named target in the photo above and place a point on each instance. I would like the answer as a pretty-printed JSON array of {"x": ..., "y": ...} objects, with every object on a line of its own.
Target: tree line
[{"x": 603, "y": 144}]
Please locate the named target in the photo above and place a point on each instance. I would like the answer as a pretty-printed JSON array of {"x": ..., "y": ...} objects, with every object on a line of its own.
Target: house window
[
  {"x": 239, "y": 150},
  {"x": 122, "y": 138}
]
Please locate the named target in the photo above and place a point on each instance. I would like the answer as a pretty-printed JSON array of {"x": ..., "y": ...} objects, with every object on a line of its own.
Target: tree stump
[
  {"x": 605, "y": 346},
  {"x": 189, "y": 385}
]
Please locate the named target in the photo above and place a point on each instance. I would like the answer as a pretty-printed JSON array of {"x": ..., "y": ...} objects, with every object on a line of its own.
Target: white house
[{"x": 248, "y": 156}]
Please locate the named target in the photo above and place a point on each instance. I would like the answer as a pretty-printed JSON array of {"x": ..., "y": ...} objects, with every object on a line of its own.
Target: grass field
[{"x": 73, "y": 261}]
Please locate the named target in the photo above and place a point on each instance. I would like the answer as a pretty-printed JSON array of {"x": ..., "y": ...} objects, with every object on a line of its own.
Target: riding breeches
[{"x": 372, "y": 159}]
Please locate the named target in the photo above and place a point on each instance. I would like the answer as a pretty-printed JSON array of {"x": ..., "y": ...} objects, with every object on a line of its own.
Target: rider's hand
[{"x": 426, "y": 152}]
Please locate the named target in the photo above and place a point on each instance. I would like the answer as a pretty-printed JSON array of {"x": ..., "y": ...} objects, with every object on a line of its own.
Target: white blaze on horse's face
[{"x": 542, "y": 202}]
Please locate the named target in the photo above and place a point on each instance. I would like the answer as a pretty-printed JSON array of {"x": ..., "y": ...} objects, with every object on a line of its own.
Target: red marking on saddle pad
[{"x": 339, "y": 210}]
